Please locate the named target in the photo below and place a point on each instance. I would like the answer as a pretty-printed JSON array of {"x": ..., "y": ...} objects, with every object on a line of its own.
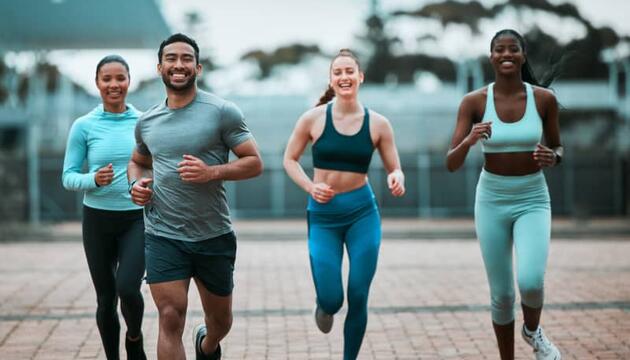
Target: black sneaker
[
  {"x": 135, "y": 349},
  {"x": 199, "y": 333}
]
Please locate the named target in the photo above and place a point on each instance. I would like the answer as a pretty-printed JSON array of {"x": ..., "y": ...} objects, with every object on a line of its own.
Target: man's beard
[{"x": 189, "y": 84}]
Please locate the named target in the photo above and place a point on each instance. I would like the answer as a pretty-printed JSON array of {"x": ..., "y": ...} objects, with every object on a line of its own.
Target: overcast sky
[
  {"x": 236, "y": 26},
  {"x": 232, "y": 27}
]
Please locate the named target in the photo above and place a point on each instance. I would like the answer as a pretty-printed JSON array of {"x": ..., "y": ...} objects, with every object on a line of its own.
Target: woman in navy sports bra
[
  {"x": 512, "y": 206},
  {"x": 341, "y": 209}
]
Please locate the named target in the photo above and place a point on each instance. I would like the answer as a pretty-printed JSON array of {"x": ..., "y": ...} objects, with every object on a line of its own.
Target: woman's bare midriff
[
  {"x": 511, "y": 164},
  {"x": 340, "y": 181}
]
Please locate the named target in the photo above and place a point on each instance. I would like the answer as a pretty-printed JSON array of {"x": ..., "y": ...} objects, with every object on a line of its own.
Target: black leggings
[{"x": 114, "y": 247}]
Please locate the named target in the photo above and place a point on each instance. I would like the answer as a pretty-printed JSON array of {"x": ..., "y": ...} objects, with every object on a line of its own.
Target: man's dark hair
[{"x": 179, "y": 37}]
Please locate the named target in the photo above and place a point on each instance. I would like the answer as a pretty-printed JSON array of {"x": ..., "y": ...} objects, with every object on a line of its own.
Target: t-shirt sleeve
[
  {"x": 141, "y": 147},
  {"x": 234, "y": 131}
]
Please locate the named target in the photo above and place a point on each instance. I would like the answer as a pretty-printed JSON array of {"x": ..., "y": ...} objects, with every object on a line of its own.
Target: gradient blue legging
[
  {"x": 349, "y": 219},
  {"x": 513, "y": 211}
]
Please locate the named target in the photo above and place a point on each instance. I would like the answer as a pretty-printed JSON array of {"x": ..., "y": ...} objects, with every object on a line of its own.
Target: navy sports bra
[{"x": 335, "y": 151}]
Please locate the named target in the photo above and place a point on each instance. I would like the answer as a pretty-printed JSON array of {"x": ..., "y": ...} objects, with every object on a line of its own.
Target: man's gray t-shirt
[{"x": 207, "y": 128}]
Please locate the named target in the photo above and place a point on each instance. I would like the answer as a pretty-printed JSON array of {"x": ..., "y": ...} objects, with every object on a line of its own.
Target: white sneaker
[
  {"x": 324, "y": 321},
  {"x": 543, "y": 348}
]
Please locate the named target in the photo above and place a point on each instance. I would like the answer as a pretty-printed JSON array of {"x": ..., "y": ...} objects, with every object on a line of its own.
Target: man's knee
[
  {"x": 172, "y": 318},
  {"x": 222, "y": 321}
]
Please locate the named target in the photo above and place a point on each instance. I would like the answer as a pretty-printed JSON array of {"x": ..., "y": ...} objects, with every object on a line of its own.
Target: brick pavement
[{"x": 429, "y": 301}]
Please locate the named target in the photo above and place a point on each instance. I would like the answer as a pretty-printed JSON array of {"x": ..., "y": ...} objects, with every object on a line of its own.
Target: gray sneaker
[
  {"x": 543, "y": 348},
  {"x": 199, "y": 333},
  {"x": 324, "y": 321}
]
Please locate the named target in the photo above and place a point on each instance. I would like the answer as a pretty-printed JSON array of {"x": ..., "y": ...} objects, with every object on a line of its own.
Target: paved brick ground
[{"x": 429, "y": 301}]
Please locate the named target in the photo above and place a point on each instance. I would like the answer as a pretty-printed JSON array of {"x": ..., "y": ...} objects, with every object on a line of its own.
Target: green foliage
[
  {"x": 407, "y": 65},
  {"x": 207, "y": 64},
  {"x": 580, "y": 59},
  {"x": 51, "y": 75},
  {"x": 453, "y": 12},
  {"x": 291, "y": 54},
  {"x": 381, "y": 59}
]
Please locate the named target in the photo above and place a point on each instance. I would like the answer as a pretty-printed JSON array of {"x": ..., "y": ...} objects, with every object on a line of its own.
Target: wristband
[
  {"x": 131, "y": 185},
  {"x": 558, "y": 158}
]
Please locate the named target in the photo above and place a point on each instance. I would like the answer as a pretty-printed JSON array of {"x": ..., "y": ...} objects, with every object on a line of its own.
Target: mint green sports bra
[{"x": 519, "y": 136}]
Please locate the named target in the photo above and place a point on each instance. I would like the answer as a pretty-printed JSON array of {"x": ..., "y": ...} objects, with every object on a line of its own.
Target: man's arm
[
  {"x": 139, "y": 175},
  {"x": 248, "y": 165}
]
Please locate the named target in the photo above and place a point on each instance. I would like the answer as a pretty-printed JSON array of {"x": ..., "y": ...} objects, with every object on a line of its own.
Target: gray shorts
[{"x": 211, "y": 261}]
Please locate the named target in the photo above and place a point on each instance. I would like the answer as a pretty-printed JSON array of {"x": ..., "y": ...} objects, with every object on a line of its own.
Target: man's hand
[
  {"x": 141, "y": 193},
  {"x": 194, "y": 170}
]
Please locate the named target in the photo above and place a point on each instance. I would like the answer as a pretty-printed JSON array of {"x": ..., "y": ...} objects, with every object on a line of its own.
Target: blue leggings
[
  {"x": 513, "y": 211},
  {"x": 352, "y": 219}
]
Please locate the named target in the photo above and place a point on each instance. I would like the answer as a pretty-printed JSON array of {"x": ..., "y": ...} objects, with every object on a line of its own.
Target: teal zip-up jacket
[{"x": 101, "y": 138}]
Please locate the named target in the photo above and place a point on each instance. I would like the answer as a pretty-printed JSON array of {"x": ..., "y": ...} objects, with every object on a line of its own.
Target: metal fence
[{"x": 584, "y": 185}]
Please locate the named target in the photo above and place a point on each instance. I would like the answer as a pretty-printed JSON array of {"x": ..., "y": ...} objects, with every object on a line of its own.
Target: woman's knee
[
  {"x": 128, "y": 291},
  {"x": 106, "y": 301},
  {"x": 357, "y": 296},
  {"x": 502, "y": 306},
  {"x": 532, "y": 290},
  {"x": 330, "y": 302}
]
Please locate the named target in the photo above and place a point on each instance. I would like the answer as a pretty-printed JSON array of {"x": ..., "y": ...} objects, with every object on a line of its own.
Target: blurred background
[{"x": 272, "y": 57}]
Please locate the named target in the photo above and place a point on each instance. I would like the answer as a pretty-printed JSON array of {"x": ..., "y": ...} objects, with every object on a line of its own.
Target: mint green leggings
[{"x": 513, "y": 210}]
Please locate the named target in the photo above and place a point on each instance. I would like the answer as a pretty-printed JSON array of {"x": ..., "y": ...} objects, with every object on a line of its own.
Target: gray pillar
[
  {"x": 613, "y": 80},
  {"x": 625, "y": 101},
  {"x": 278, "y": 179},
  {"x": 33, "y": 173},
  {"x": 462, "y": 75},
  {"x": 477, "y": 73},
  {"x": 36, "y": 105},
  {"x": 424, "y": 184},
  {"x": 568, "y": 177},
  {"x": 65, "y": 111}
]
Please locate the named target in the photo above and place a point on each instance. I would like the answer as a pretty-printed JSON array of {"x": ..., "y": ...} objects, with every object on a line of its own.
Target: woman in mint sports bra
[
  {"x": 113, "y": 227},
  {"x": 512, "y": 206},
  {"x": 341, "y": 207}
]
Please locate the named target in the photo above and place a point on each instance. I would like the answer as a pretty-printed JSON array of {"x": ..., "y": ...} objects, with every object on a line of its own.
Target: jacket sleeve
[{"x": 76, "y": 153}]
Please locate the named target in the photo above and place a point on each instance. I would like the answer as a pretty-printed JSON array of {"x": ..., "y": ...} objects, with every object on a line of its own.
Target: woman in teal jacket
[{"x": 113, "y": 227}]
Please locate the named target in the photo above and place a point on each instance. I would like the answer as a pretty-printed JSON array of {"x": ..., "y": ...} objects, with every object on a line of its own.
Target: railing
[{"x": 584, "y": 185}]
